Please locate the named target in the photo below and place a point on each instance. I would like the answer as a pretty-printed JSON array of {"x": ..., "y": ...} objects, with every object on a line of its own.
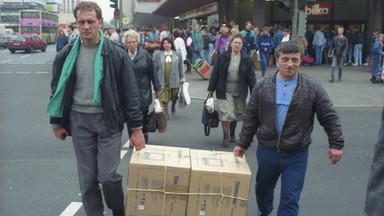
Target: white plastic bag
[
  {"x": 185, "y": 93},
  {"x": 210, "y": 105},
  {"x": 157, "y": 107}
]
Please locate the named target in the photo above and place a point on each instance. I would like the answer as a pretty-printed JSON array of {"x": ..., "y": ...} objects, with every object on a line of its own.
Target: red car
[{"x": 28, "y": 43}]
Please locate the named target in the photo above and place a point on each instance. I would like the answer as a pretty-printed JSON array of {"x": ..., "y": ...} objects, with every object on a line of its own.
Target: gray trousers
[
  {"x": 97, "y": 162},
  {"x": 337, "y": 62}
]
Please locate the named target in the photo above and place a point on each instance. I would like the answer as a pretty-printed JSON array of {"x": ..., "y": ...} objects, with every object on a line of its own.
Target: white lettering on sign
[{"x": 316, "y": 10}]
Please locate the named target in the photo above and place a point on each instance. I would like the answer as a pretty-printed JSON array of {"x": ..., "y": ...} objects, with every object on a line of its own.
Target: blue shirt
[{"x": 284, "y": 93}]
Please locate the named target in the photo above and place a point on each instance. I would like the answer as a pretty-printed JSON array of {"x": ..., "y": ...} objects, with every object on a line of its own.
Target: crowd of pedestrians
[{"x": 94, "y": 94}]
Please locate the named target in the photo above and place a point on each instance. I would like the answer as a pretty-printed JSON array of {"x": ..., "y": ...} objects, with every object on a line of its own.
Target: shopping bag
[
  {"x": 152, "y": 125},
  {"x": 209, "y": 120},
  {"x": 160, "y": 116}
]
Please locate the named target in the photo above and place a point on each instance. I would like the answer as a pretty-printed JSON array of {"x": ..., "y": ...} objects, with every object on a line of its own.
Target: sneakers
[
  {"x": 365, "y": 64},
  {"x": 355, "y": 64},
  {"x": 332, "y": 80}
]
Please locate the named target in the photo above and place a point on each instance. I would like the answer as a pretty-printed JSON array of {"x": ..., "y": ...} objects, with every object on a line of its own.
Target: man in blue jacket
[
  {"x": 265, "y": 45},
  {"x": 249, "y": 38}
]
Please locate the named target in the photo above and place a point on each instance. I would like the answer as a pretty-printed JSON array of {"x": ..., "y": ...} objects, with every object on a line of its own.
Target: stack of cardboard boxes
[{"x": 176, "y": 181}]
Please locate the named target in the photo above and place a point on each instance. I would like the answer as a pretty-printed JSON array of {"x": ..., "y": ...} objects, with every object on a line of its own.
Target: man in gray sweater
[{"x": 94, "y": 91}]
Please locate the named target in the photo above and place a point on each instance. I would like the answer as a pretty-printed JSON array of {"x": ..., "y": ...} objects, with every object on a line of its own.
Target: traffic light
[
  {"x": 114, "y": 4},
  {"x": 303, "y": 3},
  {"x": 286, "y": 5}
]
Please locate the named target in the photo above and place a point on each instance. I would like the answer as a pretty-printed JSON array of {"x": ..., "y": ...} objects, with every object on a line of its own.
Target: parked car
[
  {"x": 3, "y": 41},
  {"x": 28, "y": 43}
]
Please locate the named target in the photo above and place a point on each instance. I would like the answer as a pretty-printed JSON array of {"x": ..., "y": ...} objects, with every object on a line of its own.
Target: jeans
[
  {"x": 350, "y": 54},
  {"x": 264, "y": 61},
  {"x": 358, "y": 53},
  {"x": 197, "y": 55},
  {"x": 204, "y": 54},
  {"x": 291, "y": 167},
  {"x": 376, "y": 64},
  {"x": 319, "y": 55},
  {"x": 337, "y": 62},
  {"x": 210, "y": 50}
]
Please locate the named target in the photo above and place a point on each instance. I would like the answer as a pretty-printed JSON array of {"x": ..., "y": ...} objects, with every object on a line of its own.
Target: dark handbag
[
  {"x": 152, "y": 125},
  {"x": 209, "y": 120}
]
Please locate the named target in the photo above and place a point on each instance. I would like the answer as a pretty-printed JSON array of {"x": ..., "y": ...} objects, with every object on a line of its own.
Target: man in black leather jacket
[
  {"x": 94, "y": 91},
  {"x": 281, "y": 112}
]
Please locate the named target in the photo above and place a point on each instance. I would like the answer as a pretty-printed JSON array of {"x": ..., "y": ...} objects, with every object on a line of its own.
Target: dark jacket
[
  {"x": 145, "y": 77},
  {"x": 218, "y": 79},
  {"x": 265, "y": 41},
  {"x": 339, "y": 46},
  {"x": 120, "y": 95},
  {"x": 358, "y": 37},
  {"x": 61, "y": 42},
  {"x": 309, "y": 98}
]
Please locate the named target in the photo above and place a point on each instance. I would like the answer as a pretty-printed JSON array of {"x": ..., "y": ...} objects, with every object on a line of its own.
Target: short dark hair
[
  {"x": 239, "y": 35},
  {"x": 288, "y": 47},
  {"x": 88, "y": 6},
  {"x": 176, "y": 33},
  {"x": 169, "y": 40},
  {"x": 71, "y": 27},
  {"x": 248, "y": 22}
]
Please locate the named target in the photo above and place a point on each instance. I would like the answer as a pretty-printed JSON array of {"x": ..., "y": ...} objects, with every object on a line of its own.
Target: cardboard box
[
  {"x": 203, "y": 69},
  {"x": 156, "y": 177},
  {"x": 219, "y": 184}
]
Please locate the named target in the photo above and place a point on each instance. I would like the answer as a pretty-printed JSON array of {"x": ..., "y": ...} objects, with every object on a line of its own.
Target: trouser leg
[
  {"x": 292, "y": 182},
  {"x": 84, "y": 139},
  {"x": 266, "y": 178}
]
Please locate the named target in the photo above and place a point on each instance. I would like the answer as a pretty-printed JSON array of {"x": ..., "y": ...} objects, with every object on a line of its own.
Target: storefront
[
  {"x": 366, "y": 14},
  {"x": 206, "y": 15}
]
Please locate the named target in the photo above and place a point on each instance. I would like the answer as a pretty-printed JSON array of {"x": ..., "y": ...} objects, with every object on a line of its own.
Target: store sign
[
  {"x": 206, "y": 9},
  {"x": 319, "y": 10}
]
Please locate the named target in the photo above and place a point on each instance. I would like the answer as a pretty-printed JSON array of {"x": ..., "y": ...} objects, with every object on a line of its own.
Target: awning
[
  {"x": 145, "y": 19},
  {"x": 173, "y": 8}
]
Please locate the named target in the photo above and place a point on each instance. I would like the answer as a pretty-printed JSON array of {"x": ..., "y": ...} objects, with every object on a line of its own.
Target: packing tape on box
[{"x": 165, "y": 192}]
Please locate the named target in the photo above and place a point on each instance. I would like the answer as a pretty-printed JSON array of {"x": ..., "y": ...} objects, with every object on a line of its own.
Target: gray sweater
[{"x": 83, "y": 91}]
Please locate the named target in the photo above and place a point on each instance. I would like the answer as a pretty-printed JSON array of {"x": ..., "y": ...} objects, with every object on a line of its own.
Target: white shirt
[
  {"x": 180, "y": 46},
  {"x": 114, "y": 37},
  {"x": 285, "y": 39}
]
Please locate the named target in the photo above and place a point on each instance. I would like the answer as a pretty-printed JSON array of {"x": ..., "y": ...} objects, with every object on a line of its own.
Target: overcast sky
[{"x": 106, "y": 9}]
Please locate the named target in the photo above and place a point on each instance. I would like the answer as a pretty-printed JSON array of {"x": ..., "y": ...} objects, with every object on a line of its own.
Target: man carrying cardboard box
[{"x": 281, "y": 112}]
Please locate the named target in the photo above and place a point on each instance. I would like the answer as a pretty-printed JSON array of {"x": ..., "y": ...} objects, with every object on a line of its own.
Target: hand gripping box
[
  {"x": 219, "y": 184},
  {"x": 158, "y": 181}
]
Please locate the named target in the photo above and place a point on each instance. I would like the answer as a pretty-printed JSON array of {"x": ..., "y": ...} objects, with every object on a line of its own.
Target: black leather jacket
[
  {"x": 218, "y": 79},
  {"x": 309, "y": 98},
  {"x": 120, "y": 95},
  {"x": 145, "y": 75}
]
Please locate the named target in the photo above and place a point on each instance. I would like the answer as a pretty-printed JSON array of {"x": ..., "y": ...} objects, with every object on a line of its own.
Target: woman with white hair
[{"x": 145, "y": 75}]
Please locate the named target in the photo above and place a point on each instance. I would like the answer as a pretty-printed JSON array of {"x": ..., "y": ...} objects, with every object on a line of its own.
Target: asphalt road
[{"x": 38, "y": 173}]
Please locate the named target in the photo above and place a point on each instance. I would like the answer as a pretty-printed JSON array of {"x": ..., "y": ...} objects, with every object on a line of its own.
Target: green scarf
[{"x": 55, "y": 105}]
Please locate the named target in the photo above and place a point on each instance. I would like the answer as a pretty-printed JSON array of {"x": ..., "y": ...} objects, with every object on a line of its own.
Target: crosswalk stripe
[
  {"x": 23, "y": 72},
  {"x": 41, "y": 72},
  {"x": 71, "y": 209}
]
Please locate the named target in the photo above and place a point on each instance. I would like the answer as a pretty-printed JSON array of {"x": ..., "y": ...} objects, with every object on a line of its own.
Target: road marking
[
  {"x": 123, "y": 153},
  {"x": 24, "y": 56},
  {"x": 8, "y": 60},
  {"x": 6, "y": 72},
  {"x": 23, "y": 72},
  {"x": 126, "y": 145},
  {"x": 72, "y": 209},
  {"x": 41, "y": 72}
]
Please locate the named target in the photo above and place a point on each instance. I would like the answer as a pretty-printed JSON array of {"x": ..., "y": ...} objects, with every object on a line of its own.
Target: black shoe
[
  {"x": 332, "y": 80},
  {"x": 232, "y": 138},
  {"x": 118, "y": 212},
  {"x": 225, "y": 143}
]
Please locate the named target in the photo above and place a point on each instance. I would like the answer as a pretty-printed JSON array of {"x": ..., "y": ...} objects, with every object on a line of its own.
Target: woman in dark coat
[
  {"x": 232, "y": 75},
  {"x": 145, "y": 76}
]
